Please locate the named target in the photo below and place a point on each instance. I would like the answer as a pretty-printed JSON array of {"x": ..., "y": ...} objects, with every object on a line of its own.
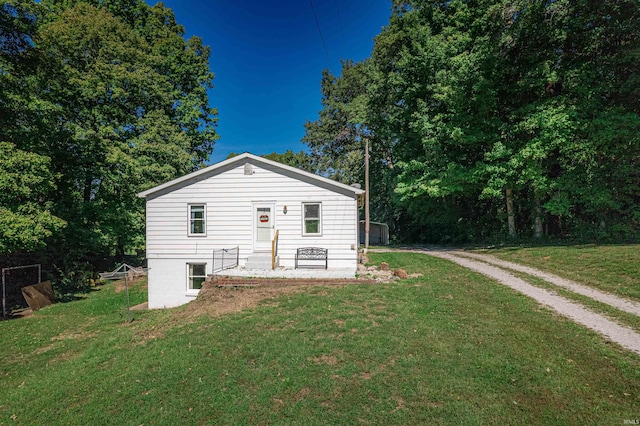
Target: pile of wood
[{"x": 38, "y": 295}]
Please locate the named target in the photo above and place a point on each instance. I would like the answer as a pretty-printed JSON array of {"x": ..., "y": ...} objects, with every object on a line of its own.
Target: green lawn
[
  {"x": 451, "y": 347},
  {"x": 612, "y": 268}
]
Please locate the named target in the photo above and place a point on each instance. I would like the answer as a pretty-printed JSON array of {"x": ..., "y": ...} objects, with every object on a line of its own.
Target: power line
[{"x": 326, "y": 51}]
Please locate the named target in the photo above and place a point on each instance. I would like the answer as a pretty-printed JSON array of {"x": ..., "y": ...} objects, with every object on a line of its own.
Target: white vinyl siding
[
  {"x": 229, "y": 198},
  {"x": 197, "y": 220},
  {"x": 311, "y": 219}
]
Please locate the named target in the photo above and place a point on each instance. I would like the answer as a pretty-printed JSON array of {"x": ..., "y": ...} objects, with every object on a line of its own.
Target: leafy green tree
[
  {"x": 300, "y": 160},
  {"x": 430, "y": 96},
  {"x": 26, "y": 182},
  {"x": 98, "y": 101},
  {"x": 600, "y": 79},
  {"x": 335, "y": 139},
  {"x": 500, "y": 116},
  {"x": 346, "y": 124},
  {"x": 17, "y": 60},
  {"x": 131, "y": 112}
]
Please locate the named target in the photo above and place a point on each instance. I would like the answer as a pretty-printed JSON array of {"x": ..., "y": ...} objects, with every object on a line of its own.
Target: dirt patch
[
  {"x": 73, "y": 336},
  {"x": 44, "y": 349},
  {"x": 302, "y": 394},
  {"x": 229, "y": 295},
  {"x": 119, "y": 286},
  {"x": 216, "y": 301},
  {"x": 149, "y": 335},
  {"x": 65, "y": 356},
  {"x": 400, "y": 404},
  {"x": 325, "y": 359}
]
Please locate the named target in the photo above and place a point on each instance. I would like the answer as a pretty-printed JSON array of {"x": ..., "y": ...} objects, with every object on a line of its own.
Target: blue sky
[{"x": 268, "y": 57}]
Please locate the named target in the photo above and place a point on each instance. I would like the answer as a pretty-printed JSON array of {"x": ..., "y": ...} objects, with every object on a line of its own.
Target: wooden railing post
[{"x": 274, "y": 249}]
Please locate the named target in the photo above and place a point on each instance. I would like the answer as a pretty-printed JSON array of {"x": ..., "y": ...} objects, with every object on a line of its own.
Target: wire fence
[{"x": 13, "y": 280}]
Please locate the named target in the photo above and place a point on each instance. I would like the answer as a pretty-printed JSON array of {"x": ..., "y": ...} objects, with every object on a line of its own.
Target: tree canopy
[
  {"x": 100, "y": 100},
  {"x": 495, "y": 117}
]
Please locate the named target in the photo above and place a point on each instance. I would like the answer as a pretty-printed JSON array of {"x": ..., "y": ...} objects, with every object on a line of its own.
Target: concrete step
[{"x": 260, "y": 261}]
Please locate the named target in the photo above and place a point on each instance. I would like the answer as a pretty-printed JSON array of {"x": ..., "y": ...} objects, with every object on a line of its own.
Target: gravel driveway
[{"x": 499, "y": 270}]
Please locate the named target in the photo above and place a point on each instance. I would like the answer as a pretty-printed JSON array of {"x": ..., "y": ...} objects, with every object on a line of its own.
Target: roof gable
[{"x": 231, "y": 163}]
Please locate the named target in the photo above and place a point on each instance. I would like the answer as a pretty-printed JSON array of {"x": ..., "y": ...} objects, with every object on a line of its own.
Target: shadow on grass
[
  {"x": 18, "y": 314},
  {"x": 528, "y": 244},
  {"x": 21, "y": 309},
  {"x": 79, "y": 294}
]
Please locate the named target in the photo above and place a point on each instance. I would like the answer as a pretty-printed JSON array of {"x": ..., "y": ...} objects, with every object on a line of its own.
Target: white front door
[{"x": 263, "y": 226}]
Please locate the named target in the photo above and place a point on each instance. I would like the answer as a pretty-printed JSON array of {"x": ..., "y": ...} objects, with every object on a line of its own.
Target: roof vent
[{"x": 248, "y": 170}]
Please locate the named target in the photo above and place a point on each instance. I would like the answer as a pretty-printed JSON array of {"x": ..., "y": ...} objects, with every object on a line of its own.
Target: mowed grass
[
  {"x": 611, "y": 268},
  {"x": 451, "y": 347}
]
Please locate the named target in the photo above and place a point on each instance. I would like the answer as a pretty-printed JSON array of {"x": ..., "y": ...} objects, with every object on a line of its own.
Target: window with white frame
[
  {"x": 197, "y": 219},
  {"x": 197, "y": 274},
  {"x": 311, "y": 219}
]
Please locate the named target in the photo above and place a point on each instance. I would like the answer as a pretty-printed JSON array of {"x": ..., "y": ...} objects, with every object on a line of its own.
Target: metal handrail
[
  {"x": 225, "y": 259},
  {"x": 274, "y": 249}
]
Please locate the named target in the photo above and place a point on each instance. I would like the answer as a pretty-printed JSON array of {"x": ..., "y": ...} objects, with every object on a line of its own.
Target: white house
[{"x": 242, "y": 202}]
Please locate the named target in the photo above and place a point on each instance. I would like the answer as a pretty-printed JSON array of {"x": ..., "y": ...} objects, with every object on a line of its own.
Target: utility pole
[{"x": 366, "y": 195}]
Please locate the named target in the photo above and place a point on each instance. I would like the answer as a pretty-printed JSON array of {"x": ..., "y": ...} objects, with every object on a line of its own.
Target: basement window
[{"x": 196, "y": 276}]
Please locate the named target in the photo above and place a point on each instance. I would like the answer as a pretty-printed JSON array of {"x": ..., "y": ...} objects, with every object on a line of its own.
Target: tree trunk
[
  {"x": 511, "y": 219},
  {"x": 120, "y": 249},
  {"x": 538, "y": 215},
  {"x": 86, "y": 196}
]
